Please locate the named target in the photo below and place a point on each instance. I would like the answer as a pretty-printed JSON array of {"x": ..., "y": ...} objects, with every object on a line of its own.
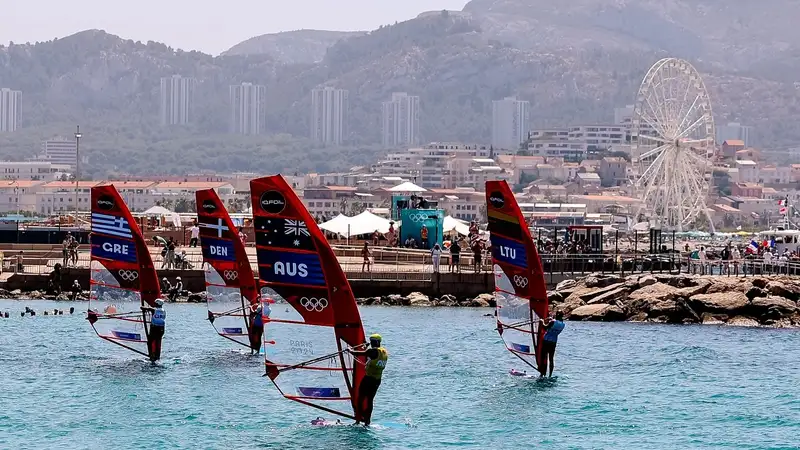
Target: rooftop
[{"x": 191, "y": 185}]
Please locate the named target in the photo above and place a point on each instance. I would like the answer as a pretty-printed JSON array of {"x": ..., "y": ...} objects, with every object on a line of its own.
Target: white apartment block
[
  {"x": 32, "y": 170},
  {"x": 748, "y": 171},
  {"x": 247, "y": 108},
  {"x": 400, "y": 120},
  {"x": 329, "y": 115},
  {"x": 510, "y": 123},
  {"x": 571, "y": 151},
  {"x": 776, "y": 174},
  {"x": 598, "y": 137},
  {"x": 10, "y": 110},
  {"x": 17, "y": 196},
  {"x": 473, "y": 172},
  {"x": 62, "y": 152},
  {"x": 59, "y": 196},
  {"x": 177, "y": 100},
  {"x": 551, "y": 134},
  {"x": 462, "y": 203}
]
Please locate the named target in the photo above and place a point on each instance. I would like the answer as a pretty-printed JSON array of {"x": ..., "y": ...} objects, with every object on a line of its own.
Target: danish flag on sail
[
  {"x": 306, "y": 341},
  {"x": 230, "y": 285},
  {"x": 520, "y": 289}
]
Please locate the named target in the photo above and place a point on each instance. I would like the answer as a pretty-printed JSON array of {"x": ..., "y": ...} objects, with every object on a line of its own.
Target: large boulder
[
  {"x": 787, "y": 289},
  {"x": 598, "y": 312},
  {"x": 657, "y": 291},
  {"x": 742, "y": 321},
  {"x": 610, "y": 296},
  {"x": 482, "y": 301},
  {"x": 417, "y": 299},
  {"x": 647, "y": 280},
  {"x": 720, "y": 285},
  {"x": 566, "y": 284},
  {"x": 772, "y": 306},
  {"x": 723, "y": 302},
  {"x": 555, "y": 297},
  {"x": 598, "y": 280}
]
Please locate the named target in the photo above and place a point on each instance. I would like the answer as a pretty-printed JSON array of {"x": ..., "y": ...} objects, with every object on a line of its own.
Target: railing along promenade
[{"x": 399, "y": 264}]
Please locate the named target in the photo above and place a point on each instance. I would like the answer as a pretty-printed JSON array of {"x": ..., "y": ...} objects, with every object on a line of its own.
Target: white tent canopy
[
  {"x": 157, "y": 211},
  {"x": 337, "y": 225},
  {"x": 364, "y": 223},
  {"x": 407, "y": 187},
  {"x": 450, "y": 223}
]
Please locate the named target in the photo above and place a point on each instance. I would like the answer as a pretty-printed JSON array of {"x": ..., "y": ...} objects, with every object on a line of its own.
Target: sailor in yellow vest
[{"x": 376, "y": 362}]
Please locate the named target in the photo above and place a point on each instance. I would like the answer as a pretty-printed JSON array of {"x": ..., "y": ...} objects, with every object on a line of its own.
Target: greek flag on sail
[{"x": 112, "y": 225}]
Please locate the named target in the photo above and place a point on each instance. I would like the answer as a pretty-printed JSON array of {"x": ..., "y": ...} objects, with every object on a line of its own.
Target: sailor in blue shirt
[
  {"x": 554, "y": 327},
  {"x": 157, "y": 323}
]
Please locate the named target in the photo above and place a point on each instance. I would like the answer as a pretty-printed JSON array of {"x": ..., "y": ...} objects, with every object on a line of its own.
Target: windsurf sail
[
  {"x": 307, "y": 337},
  {"x": 123, "y": 278},
  {"x": 520, "y": 289},
  {"x": 230, "y": 285}
]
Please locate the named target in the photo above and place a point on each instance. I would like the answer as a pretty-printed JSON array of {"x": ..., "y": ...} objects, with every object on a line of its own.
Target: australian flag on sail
[
  {"x": 214, "y": 227},
  {"x": 508, "y": 251},
  {"x": 218, "y": 249},
  {"x": 115, "y": 249},
  {"x": 286, "y": 267},
  {"x": 283, "y": 233},
  {"x": 111, "y": 225}
]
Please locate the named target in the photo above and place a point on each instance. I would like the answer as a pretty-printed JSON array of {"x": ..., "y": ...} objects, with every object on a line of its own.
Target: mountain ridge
[{"x": 457, "y": 62}]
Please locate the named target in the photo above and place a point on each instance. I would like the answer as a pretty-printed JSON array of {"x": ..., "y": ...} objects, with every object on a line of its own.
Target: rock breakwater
[{"x": 667, "y": 298}]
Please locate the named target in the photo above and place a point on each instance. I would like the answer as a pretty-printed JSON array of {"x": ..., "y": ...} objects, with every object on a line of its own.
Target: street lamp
[{"x": 77, "y": 169}]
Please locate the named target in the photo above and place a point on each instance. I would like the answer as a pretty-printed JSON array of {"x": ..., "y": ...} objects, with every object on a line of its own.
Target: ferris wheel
[{"x": 672, "y": 139}]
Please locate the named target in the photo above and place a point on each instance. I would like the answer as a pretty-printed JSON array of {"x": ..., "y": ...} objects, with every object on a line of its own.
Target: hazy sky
[{"x": 211, "y": 26}]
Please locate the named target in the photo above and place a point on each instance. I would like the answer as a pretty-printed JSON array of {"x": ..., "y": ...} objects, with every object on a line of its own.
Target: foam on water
[{"x": 619, "y": 385}]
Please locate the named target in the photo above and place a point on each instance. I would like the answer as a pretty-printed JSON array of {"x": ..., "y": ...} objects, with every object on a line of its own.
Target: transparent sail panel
[
  {"x": 514, "y": 319},
  {"x": 230, "y": 314},
  {"x": 312, "y": 368},
  {"x": 118, "y": 310}
]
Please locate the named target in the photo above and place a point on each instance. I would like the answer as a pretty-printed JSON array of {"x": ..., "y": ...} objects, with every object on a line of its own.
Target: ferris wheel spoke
[
  {"x": 690, "y": 113},
  {"x": 655, "y": 138},
  {"x": 657, "y": 150},
  {"x": 657, "y": 124},
  {"x": 691, "y": 127}
]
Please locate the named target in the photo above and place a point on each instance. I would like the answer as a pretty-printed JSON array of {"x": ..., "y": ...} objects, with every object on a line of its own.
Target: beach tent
[
  {"x": 407, "y": 187},
  {"x": 450, "y": 223},
  {"x": 160, "y": 211},
  {"x": 367, "y": 223},
  {"x": 338, "y": 225}
]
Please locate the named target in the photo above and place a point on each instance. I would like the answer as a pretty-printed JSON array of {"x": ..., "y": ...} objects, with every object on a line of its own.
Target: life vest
[
  {"x": 374, "y": 367},
  {"x": 159, "y": 316}
]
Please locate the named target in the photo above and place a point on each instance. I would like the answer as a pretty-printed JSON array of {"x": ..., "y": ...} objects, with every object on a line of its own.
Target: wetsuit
[
  {"x": 376, "y": 362},
  {"x": 256, "y": 329},
  {"x": 157, "y": 323}
]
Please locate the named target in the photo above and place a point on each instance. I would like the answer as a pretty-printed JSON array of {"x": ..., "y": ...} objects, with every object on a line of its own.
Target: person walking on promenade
[
  {"x": 366, "y": 254},
  {"x": 436, "y": 255}
]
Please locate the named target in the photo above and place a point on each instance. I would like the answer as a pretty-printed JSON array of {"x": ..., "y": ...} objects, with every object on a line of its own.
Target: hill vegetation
[{"x": 574, "y": 61}]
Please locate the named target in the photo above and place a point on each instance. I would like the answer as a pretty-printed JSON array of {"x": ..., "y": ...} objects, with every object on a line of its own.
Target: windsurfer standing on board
[
  {"x": 257, "y": 327},
  {"x": 157, "y": 323},
  {"x": 554, "y": 327},
  {"x": 376, "y": 362}
]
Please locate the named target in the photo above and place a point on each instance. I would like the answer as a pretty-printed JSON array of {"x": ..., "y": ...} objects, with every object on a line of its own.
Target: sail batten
[
  {"x": 307, "y": 337},
  {"x": 231, "y": 290},
  {"x": 123, "y": 279},
  {"x": 520, "y": 289}
]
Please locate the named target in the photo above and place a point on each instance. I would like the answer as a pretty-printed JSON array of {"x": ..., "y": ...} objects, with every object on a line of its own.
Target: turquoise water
[{"x": 619, "y": 386}]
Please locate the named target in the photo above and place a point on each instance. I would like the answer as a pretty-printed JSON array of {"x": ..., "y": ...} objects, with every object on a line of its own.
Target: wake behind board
[{"x": 320, "y": 422}]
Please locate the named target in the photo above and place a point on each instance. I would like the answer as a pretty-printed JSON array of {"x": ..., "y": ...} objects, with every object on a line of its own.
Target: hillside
[
  {"x": 574, "y": 62},
  {"x": 292, "y": 47}
]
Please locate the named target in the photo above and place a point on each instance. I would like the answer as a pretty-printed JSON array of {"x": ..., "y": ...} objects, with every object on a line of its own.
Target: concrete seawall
[{"x": 459, "y": 285}]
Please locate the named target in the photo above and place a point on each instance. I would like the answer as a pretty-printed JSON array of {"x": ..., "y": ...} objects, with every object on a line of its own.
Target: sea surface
[{"x": 630, "y": 386}]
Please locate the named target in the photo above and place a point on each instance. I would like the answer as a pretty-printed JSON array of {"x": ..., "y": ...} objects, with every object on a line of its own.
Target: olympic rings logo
[
  {"x": 314, "y": 304},
  {"x": 230, "y": 275},
  {"x": 417, "y": 218},
  {"x": 128, "y": 275},
  {"x": 520, "y": 281}
]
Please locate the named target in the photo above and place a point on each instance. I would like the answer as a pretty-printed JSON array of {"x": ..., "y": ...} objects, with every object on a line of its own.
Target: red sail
[
  {"x": 230, "y": 285},
  {"x": 520, "y": 289},
  {"x": 305, "y": 340},
  {"x": 123, "y": 277}
]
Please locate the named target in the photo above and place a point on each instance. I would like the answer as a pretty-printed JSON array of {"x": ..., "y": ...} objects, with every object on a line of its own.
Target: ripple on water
[{"x": 618, "y": 385}]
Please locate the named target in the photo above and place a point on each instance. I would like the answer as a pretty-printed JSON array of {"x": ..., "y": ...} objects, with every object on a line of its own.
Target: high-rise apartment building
[
  {"x": 510, "y": 123},
  {"x": 177, "y": 100},
  {"x": 247, "y": 108},
  {"x": 329, "y": 115},
  {"x": 400, "y": 120},
  {"x": 61, "y": 151},
  {"x": 734, "y": 131},
  {"x": 9, "y": 110}
]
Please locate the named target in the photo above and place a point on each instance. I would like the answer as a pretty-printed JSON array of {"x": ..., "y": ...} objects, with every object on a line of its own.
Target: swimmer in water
[{"x": 318, "y": 421}]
